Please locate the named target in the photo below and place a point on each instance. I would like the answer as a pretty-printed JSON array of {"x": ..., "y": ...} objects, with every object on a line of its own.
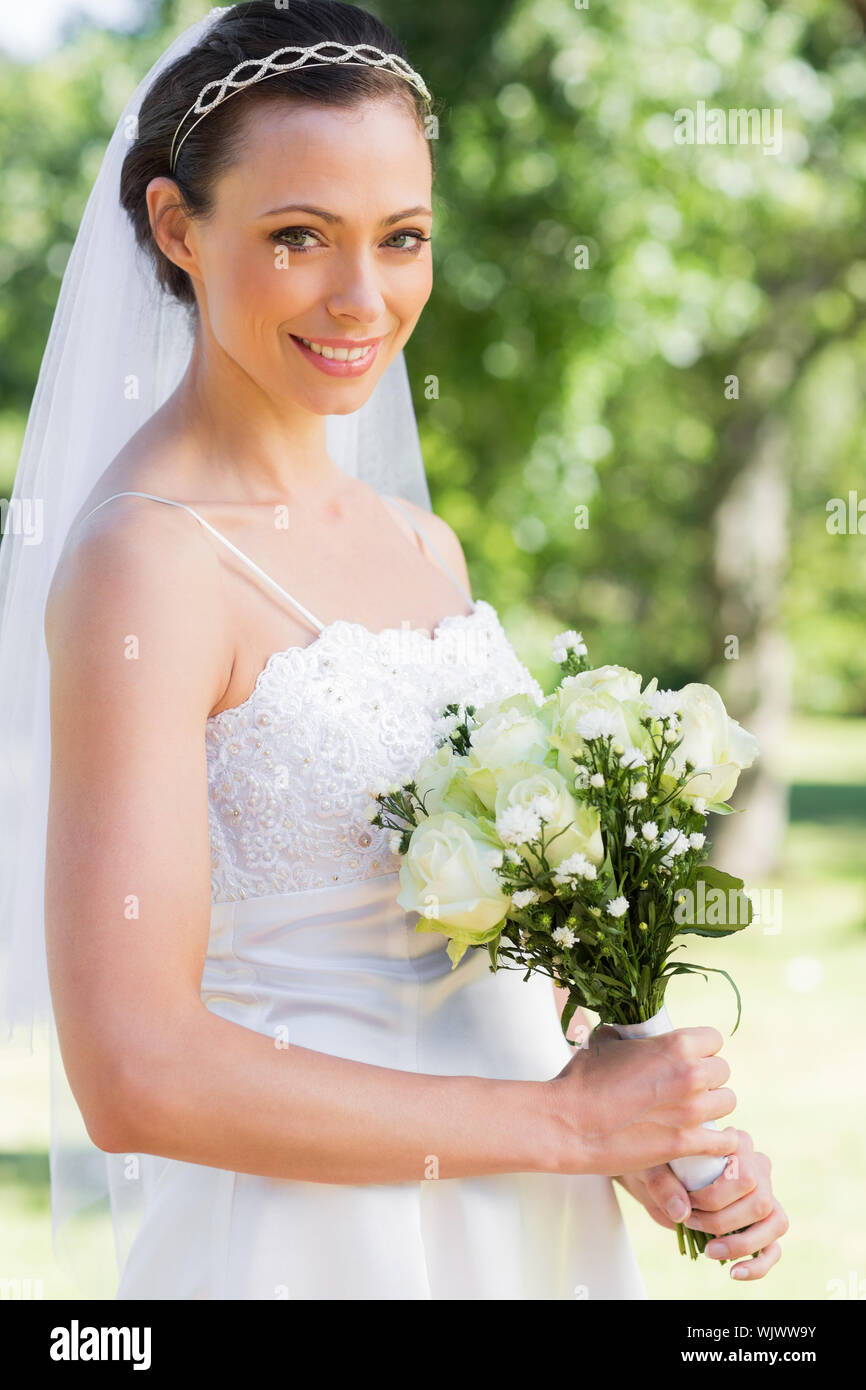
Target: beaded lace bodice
[{"x": 290, "y": 771}]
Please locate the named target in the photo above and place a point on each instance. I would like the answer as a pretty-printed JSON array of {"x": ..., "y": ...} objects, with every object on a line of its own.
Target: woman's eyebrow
[{"x": 332, "y": 216}]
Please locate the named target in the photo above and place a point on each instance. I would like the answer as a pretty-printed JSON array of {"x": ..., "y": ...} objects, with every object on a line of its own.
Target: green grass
[{"x": 797, "y": 1063}]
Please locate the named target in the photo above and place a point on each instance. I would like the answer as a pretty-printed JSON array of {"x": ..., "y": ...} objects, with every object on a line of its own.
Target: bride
[{"x": 254, "y": 619}]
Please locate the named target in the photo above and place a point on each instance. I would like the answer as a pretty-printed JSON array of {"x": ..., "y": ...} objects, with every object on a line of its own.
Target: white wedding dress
[{"x": 309, "y": 946}]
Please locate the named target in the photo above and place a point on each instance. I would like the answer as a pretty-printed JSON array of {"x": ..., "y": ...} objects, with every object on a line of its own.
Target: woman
[{"x": 244, "y": 638}]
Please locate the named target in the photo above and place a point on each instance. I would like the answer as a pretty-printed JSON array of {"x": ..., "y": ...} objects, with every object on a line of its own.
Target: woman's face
[{"x": 318, "y": 233}]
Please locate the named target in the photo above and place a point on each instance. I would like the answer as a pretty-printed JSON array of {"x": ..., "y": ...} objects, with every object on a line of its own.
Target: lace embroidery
[{"x": 290, "y": 769}]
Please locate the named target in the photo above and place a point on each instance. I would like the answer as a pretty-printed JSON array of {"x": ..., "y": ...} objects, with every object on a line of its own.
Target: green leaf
[
  {"x": 568, "y": 1013},
  {"x": 687, "y": 968},
  {"x": 736, "y": 910}
]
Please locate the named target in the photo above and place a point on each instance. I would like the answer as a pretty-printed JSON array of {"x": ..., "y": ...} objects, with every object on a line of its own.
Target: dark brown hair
[{"x": 251, "y": 30}]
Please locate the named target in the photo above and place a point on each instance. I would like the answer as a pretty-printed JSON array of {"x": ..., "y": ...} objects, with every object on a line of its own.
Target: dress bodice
[{"x": 291, "y": 771}]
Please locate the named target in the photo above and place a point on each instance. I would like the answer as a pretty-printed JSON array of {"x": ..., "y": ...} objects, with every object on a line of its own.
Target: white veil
[{"x": 118, "y": 347}]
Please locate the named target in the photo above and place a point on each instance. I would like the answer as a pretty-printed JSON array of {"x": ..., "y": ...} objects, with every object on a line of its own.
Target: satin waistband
[
  {"x": 329, "y": 926},
  {"x": 340, "y": 969}
]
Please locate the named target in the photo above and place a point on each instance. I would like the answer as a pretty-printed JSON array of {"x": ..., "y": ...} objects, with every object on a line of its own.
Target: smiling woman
[
  {"x": 259, "y": 282},
  {"x": 243, "y": 1007}
]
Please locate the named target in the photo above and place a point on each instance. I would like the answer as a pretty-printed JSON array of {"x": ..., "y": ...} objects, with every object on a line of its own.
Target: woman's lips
[{"x": 331, "y": 366}]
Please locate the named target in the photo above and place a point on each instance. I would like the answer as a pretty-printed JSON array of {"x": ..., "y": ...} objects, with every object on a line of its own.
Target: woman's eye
[
  {"x": 417, "y": 238},
  {"x": 292, "y": 232},
  {"x": 292, "y": 237}
]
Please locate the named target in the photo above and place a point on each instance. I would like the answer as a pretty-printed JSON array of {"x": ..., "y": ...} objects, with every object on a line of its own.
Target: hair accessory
[{"x": 359, "y": 55}]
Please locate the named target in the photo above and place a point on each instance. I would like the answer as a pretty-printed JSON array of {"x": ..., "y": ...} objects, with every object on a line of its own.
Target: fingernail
[
  {"x": 678, "y": 1209},
  {"x": 739, "y": 1272},
  {"x": 717, "y": 1247}
]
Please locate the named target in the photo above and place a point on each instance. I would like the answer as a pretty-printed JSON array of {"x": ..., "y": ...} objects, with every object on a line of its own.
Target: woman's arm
[{"x": 136, "y": 636}]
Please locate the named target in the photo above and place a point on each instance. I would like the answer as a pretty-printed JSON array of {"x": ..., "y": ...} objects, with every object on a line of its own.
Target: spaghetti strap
[
  {"x": 233, "y": 548},
  {"x": 430, "y": 546}
]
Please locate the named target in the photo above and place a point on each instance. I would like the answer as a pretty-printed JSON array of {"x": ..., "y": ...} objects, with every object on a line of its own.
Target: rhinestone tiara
[{"x": 360, "y": 55}]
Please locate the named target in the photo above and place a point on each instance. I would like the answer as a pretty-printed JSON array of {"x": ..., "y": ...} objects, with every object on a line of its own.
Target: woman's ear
[{"x": 171, "y": 224}]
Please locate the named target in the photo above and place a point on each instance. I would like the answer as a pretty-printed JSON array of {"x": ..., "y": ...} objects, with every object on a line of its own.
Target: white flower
[
  {"x": 715, "y": 745},
  {"x": 517, "y": 825},
  {"x": 513, "y": 856},
  {"x": 617, "y": 907},
  {"x": 447, "y": 878},
  {"x": 675, "y": 842},
  {"x": 575, "y": 866},
  {"x": 523, "y": 897},
  {"x": 596, "y": 780},
  {"x": 571, "y": 826},
  {"x": 394, "y": 840},
  {"x": 563, "y": 640},
  {"x": 446, "y": 724},
  {"x": 564, "y": 936},
  {"x": 649, "y": 830},
  {"x": 617, "y": 681},
  {"x": 372, "y": 810},
  {"x": 598, "y": 723},
  {"x": 700, "y": 805},
  {"x": 510, "y": 731},
  {"x": 696, "y": 840},
  {"x": 632, "y": 757},
  {"x": 638, "y": 791},
  {"x": 630, "y": 833},
  {"x": 542, "y": 805},
  {"x": 672, "y": 726},
  {"x": 557, "y": 960},
  {"x": 661, "y": 704},
  {"x": 523, "y": 937}
]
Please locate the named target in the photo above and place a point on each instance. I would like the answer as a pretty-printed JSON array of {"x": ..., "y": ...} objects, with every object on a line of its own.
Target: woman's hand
[
  {"x": 620, "y": 1106},
  {"x": 741, "y": 1200}
]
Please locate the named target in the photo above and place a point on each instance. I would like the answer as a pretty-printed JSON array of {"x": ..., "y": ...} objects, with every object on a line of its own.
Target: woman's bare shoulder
[
  {"x": 138, "y": 569},
  {"x": 443, "y": 536}
]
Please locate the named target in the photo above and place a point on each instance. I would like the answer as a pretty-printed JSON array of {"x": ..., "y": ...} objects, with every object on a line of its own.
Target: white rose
[
  {"x": 717, "y": 746},
  {"x": 518, "y": 787},
  {"x": 617, "y": 681},
  {"x": 441, "y": 782},
  {"x": 510, "y": 731},
  {"x": 448, "y": 875},
  {"x": 572, "y": 706}
]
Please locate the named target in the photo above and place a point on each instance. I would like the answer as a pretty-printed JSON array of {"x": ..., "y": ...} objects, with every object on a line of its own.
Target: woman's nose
[{"x": 356, "y": 294}]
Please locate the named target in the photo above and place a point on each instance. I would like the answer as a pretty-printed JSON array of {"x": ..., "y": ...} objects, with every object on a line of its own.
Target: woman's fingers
[
  {"x": 756, "y": 1236},
  {"x": 741, "y": 1176},
  {"x": 667, "y": 1194},
  {"x": 664, "y": 1142},
  {"x": 757, "y": 1205},
  {"x": 707, "y": 1105},
  {"x": 758, "y": 1267}
]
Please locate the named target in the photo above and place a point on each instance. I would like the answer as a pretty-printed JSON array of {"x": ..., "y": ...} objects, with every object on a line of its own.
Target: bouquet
[{"x": 567, "y": 837}]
